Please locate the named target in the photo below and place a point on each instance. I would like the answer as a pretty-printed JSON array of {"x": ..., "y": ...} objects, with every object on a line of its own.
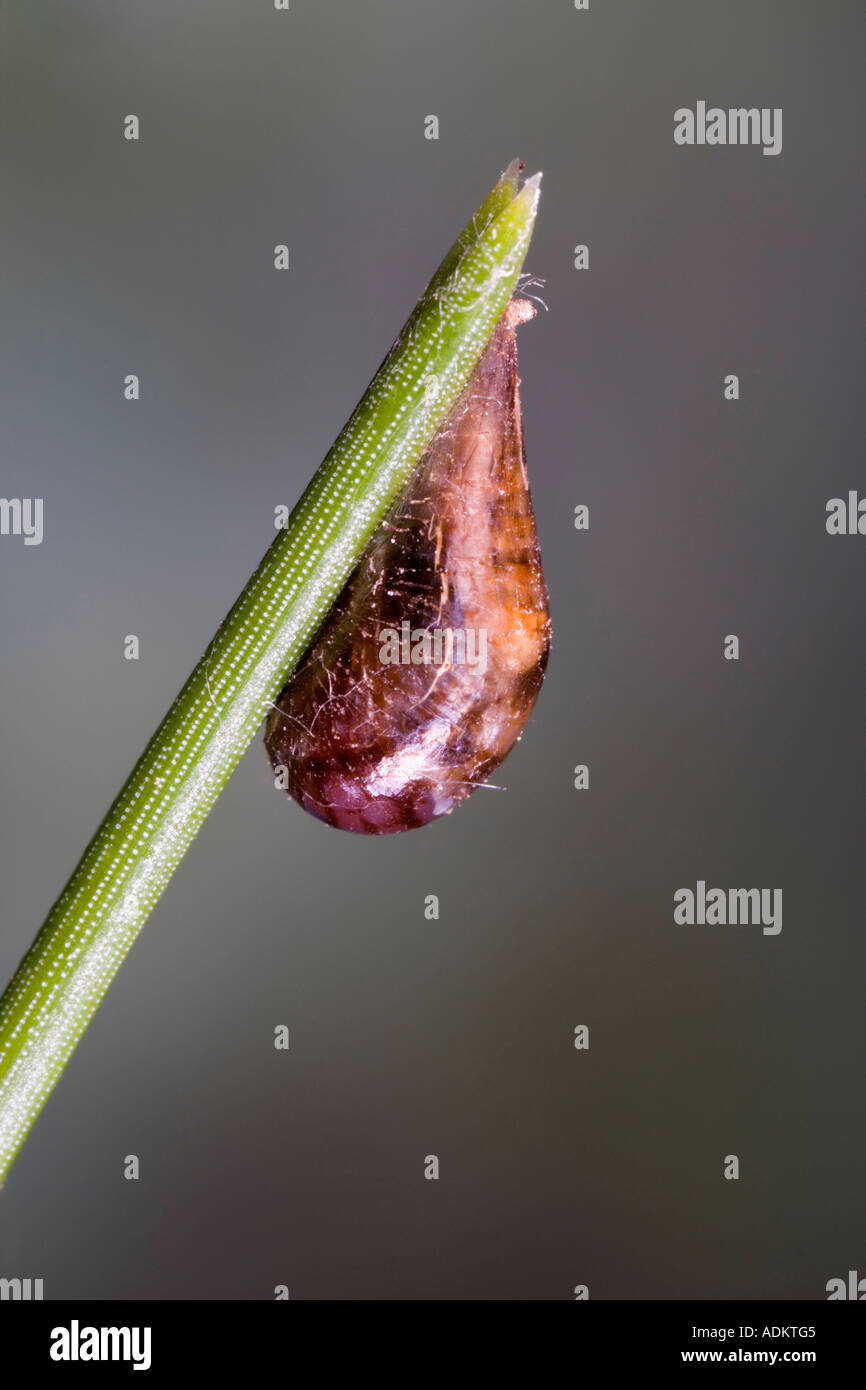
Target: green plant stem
[{"x": 65, "y": 974}]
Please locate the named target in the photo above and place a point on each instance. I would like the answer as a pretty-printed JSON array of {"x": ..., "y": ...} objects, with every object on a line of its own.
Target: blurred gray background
[{"x": 453, "y": 1037}]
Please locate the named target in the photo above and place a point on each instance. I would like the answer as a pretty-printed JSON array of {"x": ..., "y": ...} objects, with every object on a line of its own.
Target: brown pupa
[{"x": 424, "y": 674}]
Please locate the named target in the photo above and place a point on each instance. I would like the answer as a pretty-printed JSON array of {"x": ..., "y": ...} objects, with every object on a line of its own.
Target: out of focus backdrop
[{"x": 455, "y": 1037}]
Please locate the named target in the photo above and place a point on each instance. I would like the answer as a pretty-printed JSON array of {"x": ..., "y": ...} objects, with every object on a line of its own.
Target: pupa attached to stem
[{"x": 425, "y": 672}]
